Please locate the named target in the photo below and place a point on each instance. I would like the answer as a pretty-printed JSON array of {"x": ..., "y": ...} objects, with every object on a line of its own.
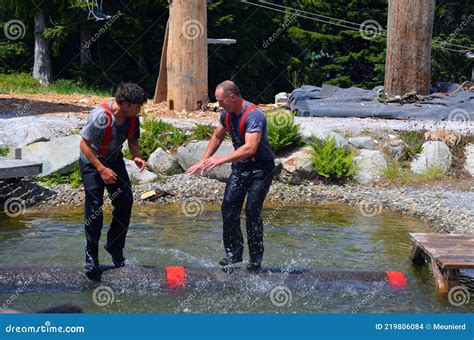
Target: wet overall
[
  {"x": 251, "y": 179},
  {"x": 120, "y": 194}
]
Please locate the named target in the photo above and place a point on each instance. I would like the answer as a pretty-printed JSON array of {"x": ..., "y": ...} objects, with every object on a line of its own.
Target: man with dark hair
[
  {"x": 253, "y": 168},
  {"x": 102, "y": 167}
]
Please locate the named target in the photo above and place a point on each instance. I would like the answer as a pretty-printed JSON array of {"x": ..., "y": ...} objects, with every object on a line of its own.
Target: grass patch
[
  {"x": 72, "y": 177},
  {"x": 203, "y": 132},
  {"x": 159, "y": 134},
  {"x": 330, "y": 161},
  {"x": 4, "y": 151},
  {"x": 413, "y": 144},
  {"x": 430, "y": 174},
  {"x": 283, "y": 132},
  {"x": 24, "y": 83}
]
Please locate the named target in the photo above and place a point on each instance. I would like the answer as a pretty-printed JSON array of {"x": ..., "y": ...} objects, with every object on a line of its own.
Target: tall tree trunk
[
  {"x": 85, "y": 49},
  {"x": 42, "y": 69},
  {"x": 187, "y": 55},
  {"x": 408, "y": 61}
]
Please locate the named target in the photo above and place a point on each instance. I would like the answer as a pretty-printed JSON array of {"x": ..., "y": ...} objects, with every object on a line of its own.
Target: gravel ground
[{"x": 446, "y": 211}]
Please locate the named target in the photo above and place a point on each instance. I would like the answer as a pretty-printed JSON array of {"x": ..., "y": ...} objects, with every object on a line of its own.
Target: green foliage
[
  {"x": 159, "y": 134},
  {"x": 302, "y": 51},
  {"x": 203, "y": 132},
  {"x": 25, "y": 83},
  {"x": 430, "y": 174},
  {"x": 413, "y": 144},
  {"x": 283, "y": 132},
  {"x": 73, "y": 178},
  {"x": 330, "y": 161},
  {"x": 4, "y": 151}
]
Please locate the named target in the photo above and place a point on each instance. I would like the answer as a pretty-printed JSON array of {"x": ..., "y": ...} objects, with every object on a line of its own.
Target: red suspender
[
  {"x": 108, "y": 130},
  {"x": 242, "y": 121}
]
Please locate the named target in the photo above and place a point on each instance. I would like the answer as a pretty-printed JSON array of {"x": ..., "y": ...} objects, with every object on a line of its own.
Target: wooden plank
[
  {"x": 162, "y": 83},
  {"x": 15, "y": 168}
]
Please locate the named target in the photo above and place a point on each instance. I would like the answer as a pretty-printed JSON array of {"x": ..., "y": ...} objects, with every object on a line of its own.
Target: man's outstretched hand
[{"x": 205, "y": 165}]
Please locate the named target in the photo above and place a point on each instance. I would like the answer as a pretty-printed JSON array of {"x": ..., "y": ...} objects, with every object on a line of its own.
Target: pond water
[{"x": 296, "y": 236}]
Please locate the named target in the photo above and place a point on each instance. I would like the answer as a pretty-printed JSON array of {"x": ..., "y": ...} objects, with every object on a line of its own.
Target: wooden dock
[
  {"x": 447, "y": 253},
  {"x": 17, "y": 168}
]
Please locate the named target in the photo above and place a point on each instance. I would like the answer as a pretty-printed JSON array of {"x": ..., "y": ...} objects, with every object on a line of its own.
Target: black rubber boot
[{"x": 117, "y": 257}]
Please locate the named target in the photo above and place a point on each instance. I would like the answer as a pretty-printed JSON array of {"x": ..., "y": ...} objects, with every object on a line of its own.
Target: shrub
[
  {"x": 159, "y": 134},
  {"x": 4, "y": 151},
  {"x": 203, "y": 132},
  {"x": 283, "y": 132},
  {"x": 73, "y": 177},
  {"x": 330, "y": 161}
]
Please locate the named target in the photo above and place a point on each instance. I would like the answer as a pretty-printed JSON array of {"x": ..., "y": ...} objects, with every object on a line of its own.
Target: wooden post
[
  {"x": 162, "y": 83},
  {"x": 408, "y": 59},
  {"x": 187, "y": 55}
]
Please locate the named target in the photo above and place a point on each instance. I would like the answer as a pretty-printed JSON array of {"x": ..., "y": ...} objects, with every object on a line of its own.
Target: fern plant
[
  {"x": 283, "y": 132},
  {"x": 330, "y": 161}
]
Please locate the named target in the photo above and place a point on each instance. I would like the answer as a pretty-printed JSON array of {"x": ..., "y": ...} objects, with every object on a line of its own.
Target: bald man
[{"x": 253, "y": 169}]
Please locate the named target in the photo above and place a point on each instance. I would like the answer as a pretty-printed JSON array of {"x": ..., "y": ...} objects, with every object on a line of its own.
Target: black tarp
[{"x": 332, "y": 101}]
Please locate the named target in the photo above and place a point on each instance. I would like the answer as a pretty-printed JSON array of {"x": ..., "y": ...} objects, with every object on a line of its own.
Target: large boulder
[
  {"x": 469, "y": 152},
  {"x": 370, "y": 164},
  {"x": 433, "y": 155},
  {"x": 163, "y": 163},
  {"x": 137, "y": 177},
  {"x": 190, "y": 154},
  {"x": 363, "y": 142},
  {"x": 36, "y": 133},
  {"x": 323, "y": 135},
  {"x": 297, "y": 166},
  {"x": 59, "y": 155}
]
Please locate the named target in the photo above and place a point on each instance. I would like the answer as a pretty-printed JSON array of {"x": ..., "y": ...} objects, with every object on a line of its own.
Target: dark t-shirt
[
  {"x": 94, "y": 131},
  {"x": 254, "y": 122}
]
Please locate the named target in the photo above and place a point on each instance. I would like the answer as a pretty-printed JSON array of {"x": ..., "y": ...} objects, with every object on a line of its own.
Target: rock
[
  {"x": 190, "y": 154},
  {"x": 323, "y": 135},
  {"x": 59, "y": 155},
  {"x": 370, "y": 164},
  {"x": 163, "y": 163},
  {"x": 297, "y": 167},
  {"x": 469, "y": 152},
  {"x": 396, "y": 147},
  {"x": 36, "y": 133},
  {"x": 434, "y": 155},
  {"x": 447, "y": 136},
  {"x": 137, "y": 177},
  {"x": 84, "y": 101},
  {"x": 282, "y": 98},
  {"x": 362, "y": 142}
]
